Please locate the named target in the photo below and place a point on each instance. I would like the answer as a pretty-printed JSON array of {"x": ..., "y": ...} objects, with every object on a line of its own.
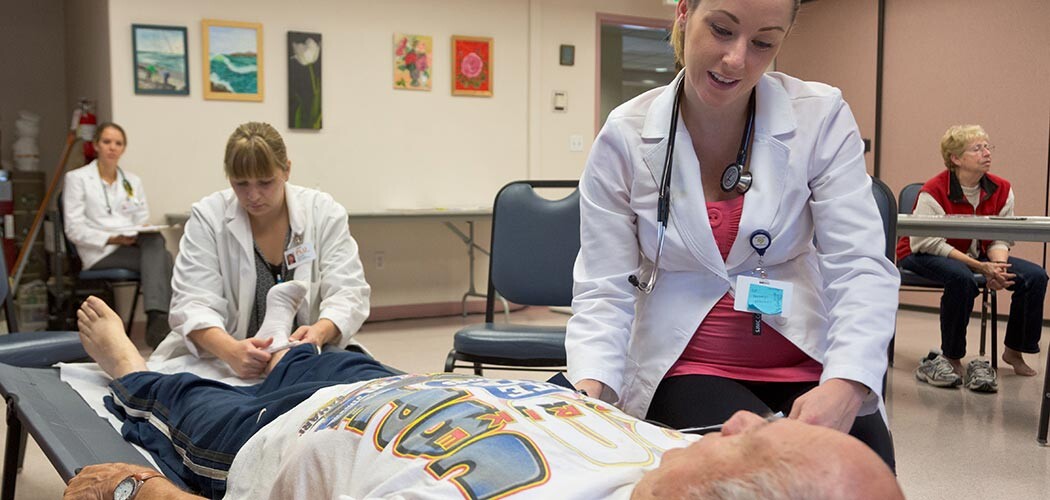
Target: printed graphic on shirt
[{"x": 470, "y": 430}]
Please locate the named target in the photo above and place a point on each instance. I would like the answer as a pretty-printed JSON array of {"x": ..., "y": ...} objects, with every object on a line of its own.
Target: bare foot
[
  {"x": 1015, "y": 359},
  {"x": 102, "y": 333}
]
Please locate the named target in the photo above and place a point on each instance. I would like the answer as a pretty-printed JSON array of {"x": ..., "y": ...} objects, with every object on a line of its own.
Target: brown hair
[
  {"x": 955, "y": 139},
  {"x": 102, "y": 128},
  {"x": 678, "y": 32},
  {"x": 255, "y": 151}
]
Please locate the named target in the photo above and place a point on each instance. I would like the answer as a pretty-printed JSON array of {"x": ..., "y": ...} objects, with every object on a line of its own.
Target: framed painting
[
  {"x": 232, "y": 54},
  {"x": 412, "y": 61},
  {"x": 160, "y": 60},
  {"x": 304, "y": 80},
  {"x": 472, "y": 66}
]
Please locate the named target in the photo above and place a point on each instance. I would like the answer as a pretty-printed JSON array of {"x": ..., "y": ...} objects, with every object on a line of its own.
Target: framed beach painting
[
  {"x": 232, "y": 54},
  {"x": 471, "y": 66},
  {"x": 304, "y": 80},
  {"x": 412, "y": 61},
  {"x": 159, "y": 58}
]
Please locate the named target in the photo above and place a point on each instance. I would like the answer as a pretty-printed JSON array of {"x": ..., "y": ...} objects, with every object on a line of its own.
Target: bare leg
[
  {"x": 104, "y": 339},
  {"x": 1015, "y": 359}
]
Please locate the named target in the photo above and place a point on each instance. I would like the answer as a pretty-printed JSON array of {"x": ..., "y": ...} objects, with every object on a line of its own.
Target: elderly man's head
[{"x": 785, "y": 459}]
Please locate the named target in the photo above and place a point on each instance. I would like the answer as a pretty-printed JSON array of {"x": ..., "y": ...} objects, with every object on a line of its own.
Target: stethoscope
[
  {"x": 734, "y": 178},
  {"x": 128, "y": 189}
]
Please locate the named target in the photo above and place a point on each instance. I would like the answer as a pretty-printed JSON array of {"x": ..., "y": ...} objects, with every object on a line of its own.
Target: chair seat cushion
[
  {"x": 109, "y": 275},
  {"x": 909, "y": 278},
  {"x": 512, "y": 342},
  {"x": 40, "y": 349}
]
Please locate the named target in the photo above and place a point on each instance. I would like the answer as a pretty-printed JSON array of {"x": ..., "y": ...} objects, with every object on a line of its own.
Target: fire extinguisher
[{"x": 86, "y": 129}]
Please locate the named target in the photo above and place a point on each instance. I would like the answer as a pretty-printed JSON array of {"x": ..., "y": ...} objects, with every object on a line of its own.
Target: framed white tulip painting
[{"x": 304, "y": 80}]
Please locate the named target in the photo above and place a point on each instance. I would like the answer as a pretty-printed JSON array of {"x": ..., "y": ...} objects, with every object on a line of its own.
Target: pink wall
[{"x": 945, "y": 62}]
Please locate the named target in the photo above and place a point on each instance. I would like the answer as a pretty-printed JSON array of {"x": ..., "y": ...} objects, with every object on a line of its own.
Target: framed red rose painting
[{"x": 471, "y": 66}]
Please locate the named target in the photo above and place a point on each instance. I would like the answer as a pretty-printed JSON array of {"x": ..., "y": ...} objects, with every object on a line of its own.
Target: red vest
[{"x": 947, "y": 192}]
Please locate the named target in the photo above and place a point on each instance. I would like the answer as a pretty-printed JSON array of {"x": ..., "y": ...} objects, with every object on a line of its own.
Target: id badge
[
  {"x": 299, "y": 255},
  {"x": 132, "y": 207},
  {"x": 759, "y": 296}
]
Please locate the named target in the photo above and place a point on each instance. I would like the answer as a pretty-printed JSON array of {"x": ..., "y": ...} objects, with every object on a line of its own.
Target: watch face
[{"x": 124, "y": 489}]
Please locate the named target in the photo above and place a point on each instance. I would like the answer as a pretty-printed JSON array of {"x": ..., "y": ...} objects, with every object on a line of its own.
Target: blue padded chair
[
  {"x": 908, "y": 196},
  {"x": 888, "y": 212},
  {"x": 106, "y": 277},
  {"x": 534, "y": 247}
]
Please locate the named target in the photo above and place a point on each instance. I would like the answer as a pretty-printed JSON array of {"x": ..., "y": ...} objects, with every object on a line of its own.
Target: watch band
[{"x": 140, "y": 478}]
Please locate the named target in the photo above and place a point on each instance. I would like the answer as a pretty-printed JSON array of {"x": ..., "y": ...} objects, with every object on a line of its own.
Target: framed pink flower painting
[
  {"x": 471, "y": 66},
  {"x": 412, "y": 58}
]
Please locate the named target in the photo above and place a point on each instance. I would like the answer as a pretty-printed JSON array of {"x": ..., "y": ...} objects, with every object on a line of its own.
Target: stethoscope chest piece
[{"x": 734, "y": 178}]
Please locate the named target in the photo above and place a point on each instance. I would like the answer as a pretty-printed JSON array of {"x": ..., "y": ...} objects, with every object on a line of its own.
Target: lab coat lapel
[
  {"x": 687, "y": 194},
  {"x": 243, "y": 245},
  {"x": 769, "y": 165},
  {"x": 297, "y": 217}
]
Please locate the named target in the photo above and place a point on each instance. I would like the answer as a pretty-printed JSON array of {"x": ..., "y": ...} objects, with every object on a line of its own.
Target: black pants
[{"x": 696, "y": 400}]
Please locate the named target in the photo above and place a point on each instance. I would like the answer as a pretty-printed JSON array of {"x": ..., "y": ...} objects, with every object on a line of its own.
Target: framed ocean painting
[
  {"x": 232, "y": 54},
  {"x": 159, "y": 58}
]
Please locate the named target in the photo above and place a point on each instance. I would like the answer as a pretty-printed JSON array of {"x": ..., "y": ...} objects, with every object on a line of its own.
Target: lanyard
[
  {"x": 128, "y": 190},
  {"x": 760, "y": 241}
]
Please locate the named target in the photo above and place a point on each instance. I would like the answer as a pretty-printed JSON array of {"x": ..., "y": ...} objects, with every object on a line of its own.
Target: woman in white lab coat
[
  {"x": 102, "y": 206},
  {"x": 235, "y": 248},
  {"x": 686, "y": 352}
]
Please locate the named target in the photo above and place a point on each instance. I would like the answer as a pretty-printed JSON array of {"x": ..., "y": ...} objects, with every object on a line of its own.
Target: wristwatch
[{"x": 129, "y": 486}]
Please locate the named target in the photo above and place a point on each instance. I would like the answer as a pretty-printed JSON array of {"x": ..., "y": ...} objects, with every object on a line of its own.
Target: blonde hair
[
  {"x": 255, "y": 151},
  {"x": 678, "y": 31},
  {"x": 955, "y": 140}
]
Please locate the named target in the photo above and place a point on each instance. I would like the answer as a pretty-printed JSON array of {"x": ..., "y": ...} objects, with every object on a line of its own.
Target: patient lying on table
[{"x": 375, "y": 435}]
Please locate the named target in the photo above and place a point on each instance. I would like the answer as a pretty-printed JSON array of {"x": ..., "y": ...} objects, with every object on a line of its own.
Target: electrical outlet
[
  {"x": 575, "y": 142},
  {"x": 380, "y": 260}
]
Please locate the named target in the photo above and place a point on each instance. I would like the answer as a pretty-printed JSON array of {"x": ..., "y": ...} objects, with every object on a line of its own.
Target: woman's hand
[
  {"x": 248, "y": 358},
  {"x": 833, "y": 404},
  {"x": 122, "y": 240},
  {"x": 996, "y": 274},
  {"x": 320, "y": 333},
  {"x": 99, "y": 481},
  {"x": 591, "y": 387}
]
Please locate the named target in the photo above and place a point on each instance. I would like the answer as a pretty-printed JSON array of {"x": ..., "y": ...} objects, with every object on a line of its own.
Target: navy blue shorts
[{"x": 194, "y": 427}]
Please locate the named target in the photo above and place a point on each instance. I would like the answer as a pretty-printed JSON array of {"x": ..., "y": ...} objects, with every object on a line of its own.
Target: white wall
[{"x": 380, "y": 148}]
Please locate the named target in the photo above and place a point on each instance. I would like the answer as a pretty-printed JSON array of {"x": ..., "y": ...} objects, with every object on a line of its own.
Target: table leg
[
  {"x": 468, "y": 239},
  {"x": 1044, "y": 408}
]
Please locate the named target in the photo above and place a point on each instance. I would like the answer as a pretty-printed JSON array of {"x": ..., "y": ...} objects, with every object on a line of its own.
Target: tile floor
[{"x": 951, "y": 443}]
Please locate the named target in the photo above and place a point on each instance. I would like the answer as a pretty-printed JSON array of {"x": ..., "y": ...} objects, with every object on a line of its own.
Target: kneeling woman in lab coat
[{"x": 236, "y": 247}]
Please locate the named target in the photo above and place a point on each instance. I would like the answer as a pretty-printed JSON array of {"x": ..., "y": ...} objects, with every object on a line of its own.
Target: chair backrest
[
  {"x": 71, "y": 249},
  {"x": 888, "y": 212},
  {"x": 909, "y": 194},
  {"x": 534, "y": 245}
]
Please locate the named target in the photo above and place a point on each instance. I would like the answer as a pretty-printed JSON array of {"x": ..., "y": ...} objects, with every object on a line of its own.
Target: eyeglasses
[{"x": 976, "y": 148}]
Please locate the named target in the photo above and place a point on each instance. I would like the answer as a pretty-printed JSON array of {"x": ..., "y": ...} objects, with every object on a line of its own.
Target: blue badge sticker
[{"x": 765, "y": 299}]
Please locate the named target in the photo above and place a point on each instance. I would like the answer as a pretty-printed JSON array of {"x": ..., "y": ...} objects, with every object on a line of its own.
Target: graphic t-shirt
[{"x": 449, "y": 436}]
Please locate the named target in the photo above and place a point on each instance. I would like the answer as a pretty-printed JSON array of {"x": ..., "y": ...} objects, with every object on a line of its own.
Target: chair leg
[
  {"x": 450, "y": 361},
  {"x": 995, "y": 331},
  {"x": 14, "y": 429},
  {"x": 477, "y": 369},
  {"x": 984, "y": 317},
  {"x": 134, "y": 306}
]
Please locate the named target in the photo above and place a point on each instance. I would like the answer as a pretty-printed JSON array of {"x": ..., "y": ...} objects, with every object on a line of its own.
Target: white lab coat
[
  {"x": 88, "y": 224},
  {"x": 214, "y": 279},
  {"x": 808, "y": 164}
]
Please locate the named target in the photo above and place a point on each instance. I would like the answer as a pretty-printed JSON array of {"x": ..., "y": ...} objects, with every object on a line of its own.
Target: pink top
[{"x": 723, "y": 344}]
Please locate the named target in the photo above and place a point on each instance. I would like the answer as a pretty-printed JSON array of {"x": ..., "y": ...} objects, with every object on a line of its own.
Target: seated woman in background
[
  {"x": 236, "y": 247},
  {"x": 967, "y": 188},
  {"x": 102, "y": 203}
]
